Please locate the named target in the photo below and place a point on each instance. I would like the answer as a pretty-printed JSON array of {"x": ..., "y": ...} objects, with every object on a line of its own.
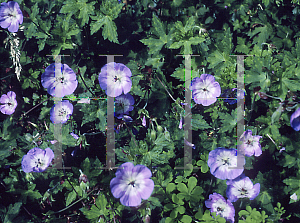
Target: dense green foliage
[{"x": 151, "y": 36}]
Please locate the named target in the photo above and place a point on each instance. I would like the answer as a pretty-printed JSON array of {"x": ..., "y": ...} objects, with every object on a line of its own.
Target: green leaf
[
  {"x": 109, "y": 28},
  {"x": 85, "y": 9},
  {"x": 13, "y": 211},
  {"x": 182, "y": 188},
  {"x": 192, "y": 182},
  {"x": 199, "y": 123},
  {"x": 229, "y": 121},
  {"x": 186, "y": 219},
  {"x": 71, "y": 197},
  {"x": 170, "y": 187}
]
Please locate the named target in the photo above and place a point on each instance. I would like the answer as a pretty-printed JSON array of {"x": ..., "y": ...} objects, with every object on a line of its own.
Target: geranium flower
[
  {"x": 114, "y": 78},
  {"x": 10, "y": 16},
  {"x": 61, "y": 112},
  {"x": 241, "y": 187},
  {"x": 37, "y": 160},
  {"x": 218, "y": 204},
  {"x": 219, "y": 161},
  {"x": 64, "y": 83},
  {"x": 205, "y": 89},
  {"x": 123, "y": 105},
  {"x": 131, "y": 184},
  {"x": 251, "y": 144},
  {"x": 9, "y": 103},
  {"x": 295, "y": 120}
]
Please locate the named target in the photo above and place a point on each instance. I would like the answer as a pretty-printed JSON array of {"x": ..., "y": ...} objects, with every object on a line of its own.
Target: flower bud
[
  {"x": 159, "y": 129},
  {"x": 153, "y": 135},
  {"x": 83, "y": 177}
]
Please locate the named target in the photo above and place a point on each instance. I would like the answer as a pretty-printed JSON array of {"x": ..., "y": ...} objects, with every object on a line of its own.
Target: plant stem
[
  {"x": 85, "y": 84},
  {"x": 73, "y": 203},
  {"x": 165, "y": 88},
  {"x": 34, "y": 107}
]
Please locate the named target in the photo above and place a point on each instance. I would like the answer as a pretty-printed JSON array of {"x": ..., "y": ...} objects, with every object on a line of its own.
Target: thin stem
[
  {"x": 73, "y": 203},
  {"x": 85, "y": 84},
  {"x": 7, "y": 76},
  {"x": 34, "y": 107},
  {"x": 41, "y": 29},
  {"x": 165, "y": 88}
]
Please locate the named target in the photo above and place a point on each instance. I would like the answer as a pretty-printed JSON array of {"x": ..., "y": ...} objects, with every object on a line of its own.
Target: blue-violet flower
[
  {"x": 241, "y": 187},
  {"x": 131, "y": 184},
  {"x": 61, "y": 83},
  {"x": 205, "y": 89},
  {"x": 123, "y": 105},
  {"x": 37, "y": 160},
  {"x": 218, "y": 204},
  {"x": 9, "y": 103},
  {"x": 251, "y": 144},
  {"x": 114, "y": 78},
  {"x": 10, "y": 16},
  {"x": 219, "y": 161},
  {"x": 61, "y": 112},
  {"x": 295, "y": 120}
]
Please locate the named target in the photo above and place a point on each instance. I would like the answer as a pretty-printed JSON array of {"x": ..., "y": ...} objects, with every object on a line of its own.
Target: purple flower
[
  {"x": 37, "y": 160},
  {"x": 75, "y": 136},
  {"x": 9, "y": 103},
  {"x": 241, "y": 187},
  {"x": 131, "y": 184},
  {"x": 295, "y": 120},
  {"x": 61, "y": 83},
  {"x": 219, "y": 161},
  {"x": 180, "y": 122},
  {"x": 218, "y": 204},
  {"x": 205, "y": 89},
  {"x": 10, "y": 16},
  {"x": 123, "y": 105},
  {"x": 251, "y": 144},
  {"x": 61, "y": 112},
  {"x": 114, "y": 78},
  {"x": 144, "y": 121}
]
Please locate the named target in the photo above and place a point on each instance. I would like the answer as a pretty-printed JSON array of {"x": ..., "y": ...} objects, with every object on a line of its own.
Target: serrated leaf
[
  {"x": 70, "y": 198},
  {"x": 199, "y": 123}
]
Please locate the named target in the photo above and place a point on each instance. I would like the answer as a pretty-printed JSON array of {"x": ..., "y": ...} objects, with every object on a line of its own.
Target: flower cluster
[
  {"x": 114, "y": 78},
  {"x": 9, "y": 103},
  {"x": 223, "y": 164},
  {"x": 10, "y": 16},
  {"x": 131, "y": 184}
]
